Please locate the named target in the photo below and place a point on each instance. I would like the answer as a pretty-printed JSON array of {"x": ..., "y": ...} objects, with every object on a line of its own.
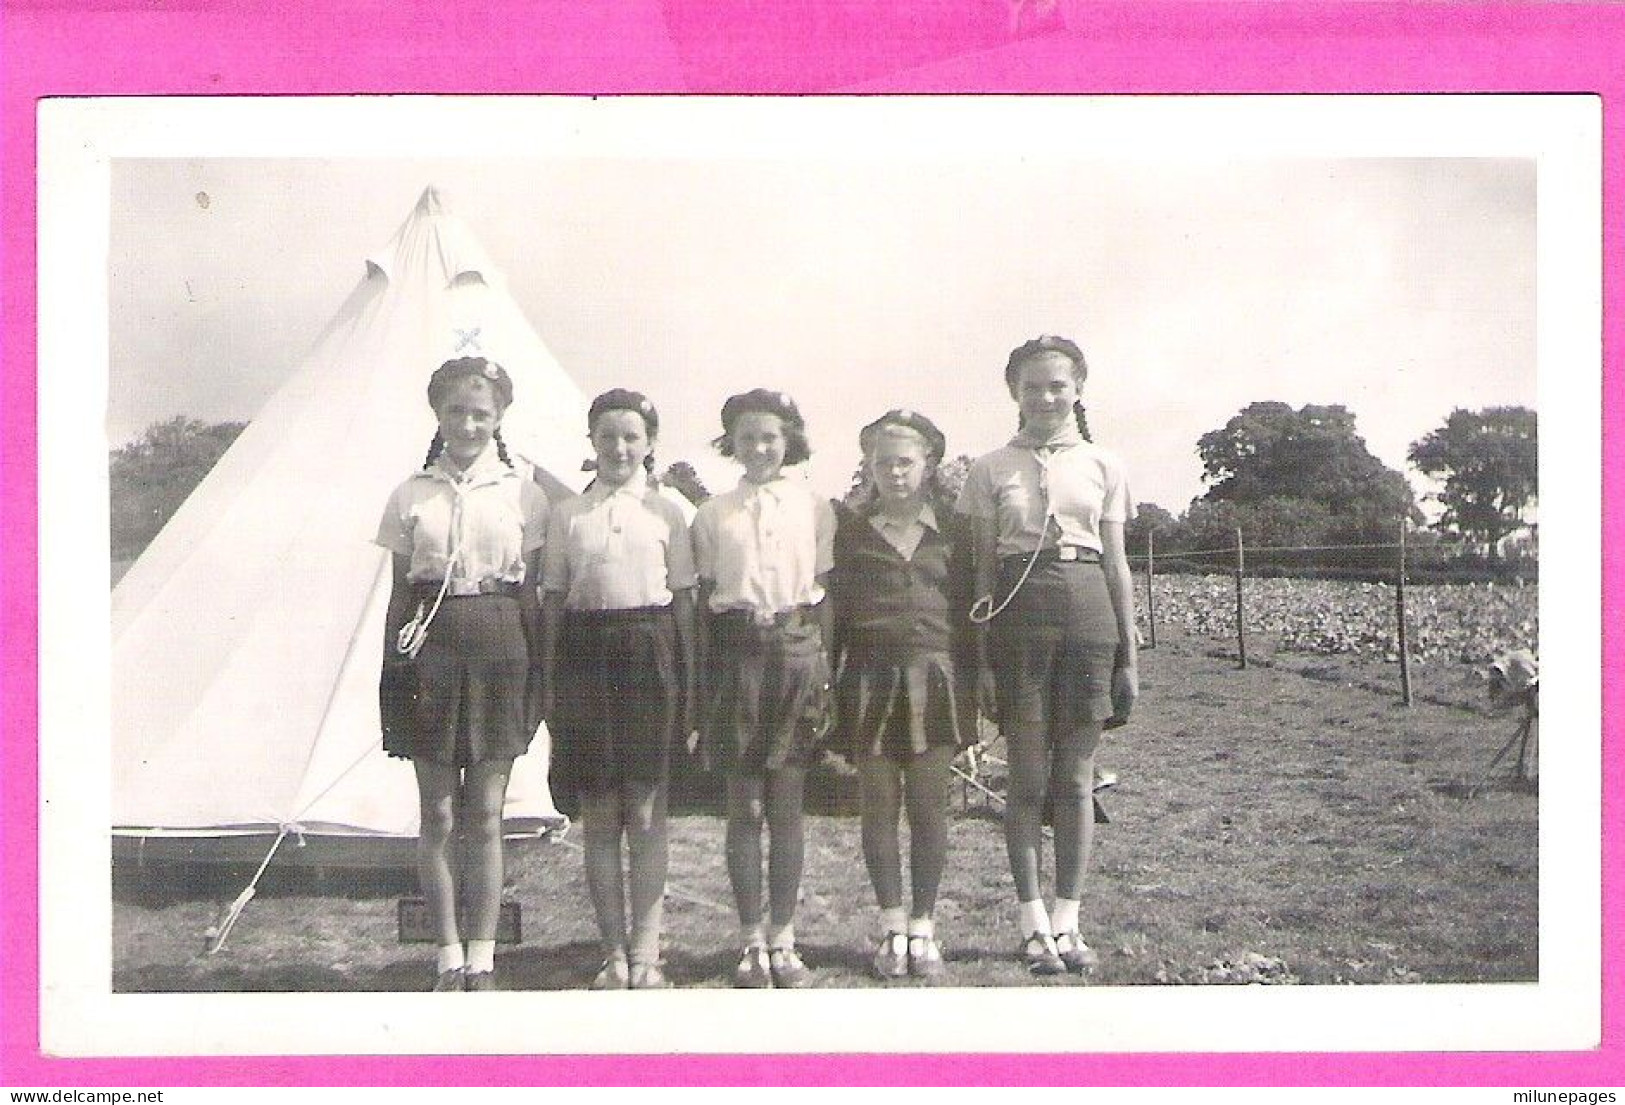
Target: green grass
[{"x": 1271, "y": 825}]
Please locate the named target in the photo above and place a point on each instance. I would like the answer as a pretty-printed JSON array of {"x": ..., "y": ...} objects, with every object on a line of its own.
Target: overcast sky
[{"x": 1399, "y": 288}]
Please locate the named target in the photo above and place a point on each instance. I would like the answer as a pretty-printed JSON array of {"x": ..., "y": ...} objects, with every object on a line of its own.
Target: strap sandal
[
  {"x": 649, "y": 976},
  {"x": 753, "y": 971},
  {"x": 613, "y": 975},
  {"x": 1077, "y": 955},
  {"x": 891, "y": 957},
  {"x": 789, "y": 972},
  {"x": 480, "y": 980},
  {"x": 447, "y": 981},
  {"x": 1038, "y": 951},
  {"x": 924, "y": 957}
]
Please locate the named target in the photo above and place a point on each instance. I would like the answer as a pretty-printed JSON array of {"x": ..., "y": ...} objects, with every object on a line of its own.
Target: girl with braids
[
  {"x": 466, "y": 533},
  {"x": 1055, "y": 641},
  {"x": 763, "y": 552},
  {"x": 901, "y": 588},
  {"x": 618, "y": 631}
]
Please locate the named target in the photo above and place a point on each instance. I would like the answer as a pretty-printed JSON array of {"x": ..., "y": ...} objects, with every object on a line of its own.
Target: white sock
[
  {"x": 921, "y": 926},
  {"x": 1034, "y": 918},
  {"x": 781, "y": 936},
  {"x": 448, "y": 957},
  {"x": 1065, "y": 917},
  {"x": 892, "y": 920},
  {"x": 482, "y": 956}
]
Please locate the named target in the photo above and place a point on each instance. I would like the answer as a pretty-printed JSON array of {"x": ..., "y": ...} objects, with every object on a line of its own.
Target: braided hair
[
  {"x": 437, "y": 445},
  {"x": 1038, "y": 347}
]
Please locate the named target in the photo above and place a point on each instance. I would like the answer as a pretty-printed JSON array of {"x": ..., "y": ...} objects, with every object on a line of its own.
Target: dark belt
[
  {"x": 1063, "y": 554},
  {"x": 461, "y": 589},
  {"x": 754, "y": 619},
  {"x": 613, "y": 617}
]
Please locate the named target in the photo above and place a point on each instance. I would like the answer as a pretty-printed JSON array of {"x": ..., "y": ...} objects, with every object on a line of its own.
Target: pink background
[{"x": 207, "y": 47}]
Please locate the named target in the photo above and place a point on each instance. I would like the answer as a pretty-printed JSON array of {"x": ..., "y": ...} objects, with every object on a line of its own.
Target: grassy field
[{"x": 1290, "y": 823}]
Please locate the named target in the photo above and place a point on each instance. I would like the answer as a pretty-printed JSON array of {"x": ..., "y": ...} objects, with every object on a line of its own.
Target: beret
[
  {"x": 460, "y": 368},
  {"x": 936, "y": 443},
  {"x": 760, "y": 401},
  {"x": 622, "y": 399}
]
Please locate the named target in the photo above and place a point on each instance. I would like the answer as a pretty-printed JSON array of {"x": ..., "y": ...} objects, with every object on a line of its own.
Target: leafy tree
[
  {"x": 1488, "y": 461},
  {"x": 150, "y": 477},
  {"x": 682, "y": 476},
  {"x": 1148, "y": 518},
  {"x": 1272, "y": 453}
]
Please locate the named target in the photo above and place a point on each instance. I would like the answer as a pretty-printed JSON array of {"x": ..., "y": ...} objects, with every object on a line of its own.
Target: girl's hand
[
  {"x": 987, "y": 697},
  {"x": 1125, "y": 690}
]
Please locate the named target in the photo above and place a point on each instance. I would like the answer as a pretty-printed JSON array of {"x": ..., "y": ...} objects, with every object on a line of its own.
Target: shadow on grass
[{"x": 157, "y": 886}]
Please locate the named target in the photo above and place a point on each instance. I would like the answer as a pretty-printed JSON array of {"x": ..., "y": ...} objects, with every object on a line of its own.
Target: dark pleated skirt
[
  {"x": 768, "y": 695},
  {"x": 1052, "y": 649},
  {"x": 617, "y": 694},
  {"x": 463, "y": 701},
  {"x": 901, "y": 709}
]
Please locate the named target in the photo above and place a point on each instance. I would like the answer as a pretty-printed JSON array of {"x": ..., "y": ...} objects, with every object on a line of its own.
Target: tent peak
[{"x": 431, "y": 202}]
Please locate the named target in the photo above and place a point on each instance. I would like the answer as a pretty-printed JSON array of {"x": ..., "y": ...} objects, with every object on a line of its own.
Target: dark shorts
[
  {"x": 617, "y": 691},
  {"x": 463, "y": 701},
  {"x": 768, "y": 694},
  {"x": 1053, "y": 648}
]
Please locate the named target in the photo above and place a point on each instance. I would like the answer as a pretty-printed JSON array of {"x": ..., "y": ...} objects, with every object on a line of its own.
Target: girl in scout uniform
[
  {"x": 763, "y": 551},
  {"x": 618, "y": 623},
  {"x": 1056, "y": 622},
  {"x": 901, "y": 592},
  {"x": 466, "y": 534}
]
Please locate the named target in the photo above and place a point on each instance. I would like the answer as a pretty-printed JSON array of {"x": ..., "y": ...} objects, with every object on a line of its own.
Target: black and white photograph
[{"x": 1028, "y": 573}]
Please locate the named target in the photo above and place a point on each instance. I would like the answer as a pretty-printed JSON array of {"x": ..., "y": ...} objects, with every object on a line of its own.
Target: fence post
[
  {"x": 1399, "y": 611},
  {"x": 1150, "y": 593},
  {"x": 1241, "y": 627}
]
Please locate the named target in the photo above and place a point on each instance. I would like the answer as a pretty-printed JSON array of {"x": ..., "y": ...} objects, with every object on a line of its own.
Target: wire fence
[{"x": 1388, "y": 564}]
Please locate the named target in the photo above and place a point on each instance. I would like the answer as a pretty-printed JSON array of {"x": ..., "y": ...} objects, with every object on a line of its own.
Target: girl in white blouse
[{"x": 457, "y": 696}]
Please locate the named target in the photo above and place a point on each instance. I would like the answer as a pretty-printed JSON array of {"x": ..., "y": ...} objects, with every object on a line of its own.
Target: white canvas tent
[{"x": 247, "y": 638}]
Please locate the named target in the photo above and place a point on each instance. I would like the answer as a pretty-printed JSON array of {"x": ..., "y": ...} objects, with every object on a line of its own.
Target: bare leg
[
  {"x": 879, "y": 803},
  {"x": 744, "y": 847},
  {"x": 485, "y": 786},
  {"x": 601, "y": 851},
  {"x": 926, "y": 789},
  {"x": 645, "y": 813},
  {"x": 1072, "y": 786},
  {"x": 437, "y": 817},
  {"x": 786, "y": 841},
  {"x": 1024, "y": 810}
]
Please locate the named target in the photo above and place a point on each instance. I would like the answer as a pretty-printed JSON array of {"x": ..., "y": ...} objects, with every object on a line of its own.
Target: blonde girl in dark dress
[
  {"x": 901, "y": 591},
  {"x": 466, "y": 533},
  {"x": 1056, "y": 618}
]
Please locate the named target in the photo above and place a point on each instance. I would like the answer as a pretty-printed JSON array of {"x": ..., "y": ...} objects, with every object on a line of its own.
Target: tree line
[{"x": 1289, "y": 479}]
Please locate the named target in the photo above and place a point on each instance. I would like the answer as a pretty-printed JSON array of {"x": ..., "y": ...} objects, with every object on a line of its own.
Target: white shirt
[
  {"x": 1080, "y": 485},
  {"x": 489, "y": 515},
  {"x": 763, "y": 546},
  {"x": 617, "y": 549}
]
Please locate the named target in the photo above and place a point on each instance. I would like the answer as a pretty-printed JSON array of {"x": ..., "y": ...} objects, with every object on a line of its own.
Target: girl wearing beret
[
  {"x": 901, "y": 592},
  {"x": 618, "y": 625},
  {"x": 1057, "y": 628},
  {"x": 466, "y": 534},
  {"x": 763, "y": 552}
]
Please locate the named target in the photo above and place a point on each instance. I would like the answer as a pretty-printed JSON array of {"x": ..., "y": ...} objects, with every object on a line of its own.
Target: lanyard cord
[
  {"x": 412, "y": 635},
  {"x": 983, "y": 610}
]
